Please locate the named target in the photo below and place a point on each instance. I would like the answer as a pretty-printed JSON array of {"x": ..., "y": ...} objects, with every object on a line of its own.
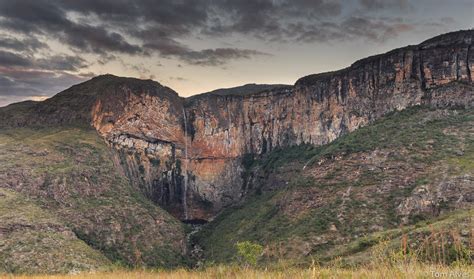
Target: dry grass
[{"x": 401, "y": 271}]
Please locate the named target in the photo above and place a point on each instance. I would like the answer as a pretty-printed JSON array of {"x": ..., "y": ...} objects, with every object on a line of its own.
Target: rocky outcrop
[
  {"x": 186, "y": 153},
  {"x": 320, "y": 108},
  {"x": 428, "y": 200}
]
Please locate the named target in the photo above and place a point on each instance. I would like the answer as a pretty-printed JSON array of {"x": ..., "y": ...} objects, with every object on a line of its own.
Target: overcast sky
[{"x": 195, "y": 46}]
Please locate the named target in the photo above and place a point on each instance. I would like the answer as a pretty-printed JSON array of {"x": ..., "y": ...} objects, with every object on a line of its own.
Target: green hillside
[
  {"x": 409, "y": 175},
  {"x": 63, "y": 196},
  {"x": 33, "y": 238}
]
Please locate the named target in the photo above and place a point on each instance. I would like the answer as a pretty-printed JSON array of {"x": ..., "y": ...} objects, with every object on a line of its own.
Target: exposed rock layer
[{"x": 145, "y": 122}]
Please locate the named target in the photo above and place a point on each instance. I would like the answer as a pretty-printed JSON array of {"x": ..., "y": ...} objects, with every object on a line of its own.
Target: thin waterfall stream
[{"x": 185, "y": 166}]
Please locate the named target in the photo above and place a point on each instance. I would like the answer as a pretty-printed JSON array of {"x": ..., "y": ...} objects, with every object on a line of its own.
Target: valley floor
[{"x": 401, "y": 271}]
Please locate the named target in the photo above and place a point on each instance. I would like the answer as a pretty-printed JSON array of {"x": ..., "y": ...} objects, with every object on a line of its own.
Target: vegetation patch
[
  {"x": 349, "y": 202},
  {"x": 70, "y": 171}
]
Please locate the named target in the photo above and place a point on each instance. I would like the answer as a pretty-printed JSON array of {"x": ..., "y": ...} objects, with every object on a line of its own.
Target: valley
[{"x": 368, "y": 167}]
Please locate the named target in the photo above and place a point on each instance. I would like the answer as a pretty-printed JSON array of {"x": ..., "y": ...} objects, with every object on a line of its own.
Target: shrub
[{"x": 249, "y": 252}]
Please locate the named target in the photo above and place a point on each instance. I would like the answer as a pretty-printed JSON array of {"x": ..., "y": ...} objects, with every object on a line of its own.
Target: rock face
[
  {"x": 186, "y": 154},
  {"x": 410, "y": 166}
]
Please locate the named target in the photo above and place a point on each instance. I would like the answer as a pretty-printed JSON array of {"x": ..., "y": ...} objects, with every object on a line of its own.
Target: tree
[{"x": 249, "y": 252}]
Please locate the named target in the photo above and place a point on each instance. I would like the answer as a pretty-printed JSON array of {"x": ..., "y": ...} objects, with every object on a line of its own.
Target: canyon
[{"x": 188, "y": 154}]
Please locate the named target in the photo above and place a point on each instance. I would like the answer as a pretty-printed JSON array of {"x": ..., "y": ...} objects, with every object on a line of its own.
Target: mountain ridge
[
  {"x": 452, "y": 38},
  {"x": 218, "y": 130},
  {"x": 108, "y": 155}
]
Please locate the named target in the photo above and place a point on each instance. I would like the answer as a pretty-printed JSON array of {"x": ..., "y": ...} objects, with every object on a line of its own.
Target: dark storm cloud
[
  {"x": 21, "y": 45},
  {"x": 12, "y": 59},
  {"x": 87, "y": 38},
  {"x": 219, "y": 56},
  {"x": 49, "y": 19},
  {"x": 28, "y": 62},
  {"x": 61, "y": 63},
  {"x": 374, "y": 29},
  {"x": 23, "y": 76},
  {"x": 162, "y": 22},
  {"x": 136, "y": 27},
  {"x": 268, "y": 19},
  {"x": 176, "y": 14},
  {"x": 205, "y": 57},
  {"x": 111, "y": 29},
  {"x": 383, "y": 4},
  {"x": 306, "y": 21},
  {"x": 20, "y": 84},
  {"x": 37, "y": 81}
]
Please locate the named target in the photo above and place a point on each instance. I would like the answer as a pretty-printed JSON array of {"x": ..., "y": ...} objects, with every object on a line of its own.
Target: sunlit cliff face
[{"x": 187, "y": 153}]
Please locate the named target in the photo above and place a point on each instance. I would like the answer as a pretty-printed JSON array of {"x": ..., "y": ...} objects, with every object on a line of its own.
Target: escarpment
[{"x": 186, "y": 154}]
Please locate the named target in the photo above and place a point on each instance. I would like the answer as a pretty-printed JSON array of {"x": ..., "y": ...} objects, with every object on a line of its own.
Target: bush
[{"x": 249, "y": 252}]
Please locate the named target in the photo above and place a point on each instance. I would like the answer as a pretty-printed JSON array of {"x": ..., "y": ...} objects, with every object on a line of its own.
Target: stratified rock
[{"x": 186, "y": 154}]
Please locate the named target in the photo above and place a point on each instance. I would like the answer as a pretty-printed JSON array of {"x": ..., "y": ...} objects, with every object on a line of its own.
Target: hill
[
  {"x": 121, "y": 171},
  {"x": 64, "y": 205},
  {"x": 409, "y": 173}
]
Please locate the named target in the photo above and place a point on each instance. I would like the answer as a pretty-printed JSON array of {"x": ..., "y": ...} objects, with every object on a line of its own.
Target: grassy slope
[
  {"x": 351, "y": 190},
  {"x": 69, "y": 172},
  {"x": 33, "y": 238}
]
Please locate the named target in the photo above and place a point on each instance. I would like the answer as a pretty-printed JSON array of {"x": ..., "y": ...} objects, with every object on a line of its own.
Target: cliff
[
  {"x": 186, "y": 154},
  {"x": 401, "y": 179}
]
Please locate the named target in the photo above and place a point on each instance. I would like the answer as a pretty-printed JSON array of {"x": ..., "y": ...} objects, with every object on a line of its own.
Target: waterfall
[
  {"x": 185, "y": 166},
  {"x": 227, "y": 146}
]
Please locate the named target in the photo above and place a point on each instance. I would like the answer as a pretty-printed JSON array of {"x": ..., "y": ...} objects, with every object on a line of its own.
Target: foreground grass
[{"x": 400, "y": 271}]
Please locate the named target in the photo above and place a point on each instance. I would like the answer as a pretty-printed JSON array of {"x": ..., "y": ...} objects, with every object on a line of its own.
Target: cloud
[
  {"x": 23, "y": 76},
  {"x": 144, "y": 27},
  {"x": 178, "y": 78},
  {"x": 98, "y": 40},
  {"x": 28, "y": 45},
  {"x": 374, "y": 29},
  {"x": 114, "y": 30},
  {"x": 384, "y": 4},
  {"x": 62, "y": 63},
  {"x": 268, "y": 19},
  {"x": 307, "y": 21},
  {"x": 219, "y": 56},
  {"x": 37, "y": 81},
  {"x": 55, "y": 62},
  {"x": 117, "y": 24},
  {"x": 50, "y": 19},
  {"x": 21, "y": 84},
  {"x": 205, "y": 57},
  {"x": 8, "y": 58}
]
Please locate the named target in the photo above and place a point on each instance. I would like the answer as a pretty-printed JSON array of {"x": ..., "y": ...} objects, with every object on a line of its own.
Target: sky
[{"x": 195, "y": 46}]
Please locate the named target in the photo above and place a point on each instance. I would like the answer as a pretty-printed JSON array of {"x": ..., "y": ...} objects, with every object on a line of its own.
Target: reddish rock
[{"x": 193, "y": 168}]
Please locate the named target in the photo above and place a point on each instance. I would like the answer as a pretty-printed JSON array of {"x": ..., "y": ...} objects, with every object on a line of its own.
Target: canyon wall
[
  {"x": 186, "y": 154},
  {"x": 318, "y": 109}
]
